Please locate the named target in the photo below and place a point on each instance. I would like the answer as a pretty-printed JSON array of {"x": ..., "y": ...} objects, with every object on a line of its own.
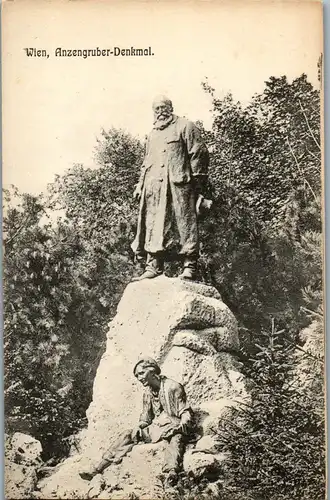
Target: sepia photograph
[{"x": 163, "y": 249}]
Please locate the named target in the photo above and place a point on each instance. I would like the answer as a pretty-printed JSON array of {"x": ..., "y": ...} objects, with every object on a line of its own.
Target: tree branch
[
  {"x": 17, "y": 231},
  {"x": 313, "y": 154},
  {"x": 311, "y": 312},
  {"x": 300, "y": 170},
  {"x": 309, "y": 128}
]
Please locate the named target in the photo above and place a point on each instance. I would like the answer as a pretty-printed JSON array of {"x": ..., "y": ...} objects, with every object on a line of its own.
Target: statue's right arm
[
  {"x": 147, "y": 415},
  {"x": 139, "y": 186}
]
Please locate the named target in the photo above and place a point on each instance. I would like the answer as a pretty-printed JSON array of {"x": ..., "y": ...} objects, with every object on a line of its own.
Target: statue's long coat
[{"x": 174, "y": 157}]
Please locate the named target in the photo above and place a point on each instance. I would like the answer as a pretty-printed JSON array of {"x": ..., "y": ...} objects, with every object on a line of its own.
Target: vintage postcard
[{"x": 163, "y": 249}]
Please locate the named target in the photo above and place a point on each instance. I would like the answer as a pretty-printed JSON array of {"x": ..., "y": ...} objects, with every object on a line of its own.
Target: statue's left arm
[
  {"x": 198, "y": 155},
  {"x": 183, "y": 410}
]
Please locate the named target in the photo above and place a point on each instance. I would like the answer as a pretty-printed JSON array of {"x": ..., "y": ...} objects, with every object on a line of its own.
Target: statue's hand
[
  {"x": 185, "y": 422},
  {"x": 136, "y": 434},
  {"x": 170, "y": 432},
  {"x": 137, "y": 193},
  {"x": 184, "y": 428}
]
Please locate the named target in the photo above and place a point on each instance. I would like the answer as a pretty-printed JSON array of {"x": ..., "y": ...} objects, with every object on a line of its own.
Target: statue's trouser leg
[
  {"x": 174, "y": 454},
  {"x": 155, "y": 262},
  {"x": 183, "y": 200},
  {"x": 118, "y": 450}
]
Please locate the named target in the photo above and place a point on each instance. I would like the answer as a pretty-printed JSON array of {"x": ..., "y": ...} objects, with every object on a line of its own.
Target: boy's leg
[
  {"x": 115, "y": 453},
  {"x": 174, "y": 452}
]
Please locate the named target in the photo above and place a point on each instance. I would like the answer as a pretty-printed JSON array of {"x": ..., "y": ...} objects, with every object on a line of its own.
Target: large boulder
[
  {"x": 193, "y": 335},
  {"x": 22, "y": 460},
  {"x": 25, "y": 449}
]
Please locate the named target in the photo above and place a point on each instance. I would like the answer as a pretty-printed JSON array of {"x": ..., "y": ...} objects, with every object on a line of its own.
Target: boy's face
[{"x": 145, "y": 374}]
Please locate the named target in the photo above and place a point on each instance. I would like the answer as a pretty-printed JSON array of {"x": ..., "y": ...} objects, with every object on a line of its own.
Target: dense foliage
[
  {"x": 63, "y": 280},
  {"x": 267, "y": 216},
  {"x": 276, "y": 443},
  {"x": 261, "y": 247}
]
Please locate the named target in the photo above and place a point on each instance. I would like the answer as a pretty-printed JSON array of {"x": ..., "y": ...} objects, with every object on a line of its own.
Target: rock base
[{"x": 193, "y": 335}]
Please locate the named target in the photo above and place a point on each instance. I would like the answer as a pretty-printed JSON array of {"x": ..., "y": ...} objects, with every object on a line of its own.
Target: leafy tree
[
  {"x": 53, "y": 321},
  {"x": 266, "y": 182},
  {"x": 276, "y": 443},
  {"x": 98, "y": 201},
  {"x": 63, "y": 280}
]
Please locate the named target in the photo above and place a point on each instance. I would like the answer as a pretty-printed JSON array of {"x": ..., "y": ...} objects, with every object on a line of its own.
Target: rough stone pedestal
[{"x": 187, "y": 328}]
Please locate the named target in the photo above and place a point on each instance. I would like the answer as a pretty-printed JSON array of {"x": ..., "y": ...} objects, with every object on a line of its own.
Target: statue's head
[
  {"x": 162, "y": 108},
  {"x": 147, "y": 371}
]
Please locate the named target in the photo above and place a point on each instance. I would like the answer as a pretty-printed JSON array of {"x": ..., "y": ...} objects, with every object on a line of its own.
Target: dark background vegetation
[{"x": 261, "y": 248}]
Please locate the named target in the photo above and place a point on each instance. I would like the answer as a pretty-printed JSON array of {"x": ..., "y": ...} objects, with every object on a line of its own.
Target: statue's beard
[{"x": 161, "y": 121}]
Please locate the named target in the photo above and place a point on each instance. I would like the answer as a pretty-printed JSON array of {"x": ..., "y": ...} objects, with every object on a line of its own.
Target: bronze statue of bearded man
[{"x": 173, "y": 178}]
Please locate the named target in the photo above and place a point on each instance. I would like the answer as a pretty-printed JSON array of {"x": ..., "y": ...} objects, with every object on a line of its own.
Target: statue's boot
[
  {"x": 154, "y": 268},
  {"x": 88, "y": 475},
  {"x": 139, "y": 268},
  {"x": 189, "y": 269}
]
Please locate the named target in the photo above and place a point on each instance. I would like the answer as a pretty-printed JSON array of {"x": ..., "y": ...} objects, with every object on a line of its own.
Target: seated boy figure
[{"x": 165, "y": 416}]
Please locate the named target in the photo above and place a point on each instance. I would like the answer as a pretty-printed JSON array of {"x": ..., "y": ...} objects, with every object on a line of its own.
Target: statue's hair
[
  {"x": 152, "y": 369},
  {"x": 147, "y": 362},
  {"x": 162, "y": 98}
]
